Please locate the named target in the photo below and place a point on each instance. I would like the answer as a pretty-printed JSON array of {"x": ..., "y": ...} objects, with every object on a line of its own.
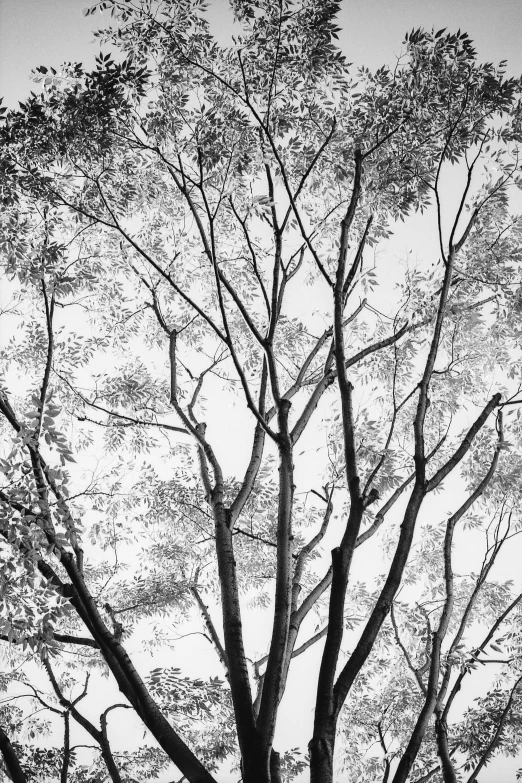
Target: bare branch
[{"x": 493, "y": 744}]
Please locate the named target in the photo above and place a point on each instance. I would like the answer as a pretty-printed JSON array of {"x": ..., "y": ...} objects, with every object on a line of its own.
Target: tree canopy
[{"x": 235, "y": 411}]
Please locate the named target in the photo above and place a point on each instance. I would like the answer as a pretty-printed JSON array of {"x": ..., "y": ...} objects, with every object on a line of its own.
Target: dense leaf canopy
[{"x": 260, "y": 392}]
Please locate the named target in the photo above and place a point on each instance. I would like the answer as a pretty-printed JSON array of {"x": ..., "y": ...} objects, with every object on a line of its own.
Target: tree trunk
[
  {"x": 130, "y": 683},
  {"x": 256, "y": 763},
  {"x": 11, "y": 759},
  {"x": 275, "y": 767},
  {"x": 261, "y": 766},
  {"x": 273, "y": 681},
  {"x": 321, "y": 756},
  {"x": 441, "y": 733}
]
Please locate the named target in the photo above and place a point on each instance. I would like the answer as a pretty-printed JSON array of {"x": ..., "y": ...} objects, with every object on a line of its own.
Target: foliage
[{"x": 219, "y": 366}]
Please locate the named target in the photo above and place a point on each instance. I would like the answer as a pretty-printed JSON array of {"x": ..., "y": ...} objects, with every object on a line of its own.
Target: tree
[{"x": 190, "y": 217}]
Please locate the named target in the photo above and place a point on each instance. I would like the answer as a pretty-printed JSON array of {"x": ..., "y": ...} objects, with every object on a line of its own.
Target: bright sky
[{"x": 49, "y": 32}]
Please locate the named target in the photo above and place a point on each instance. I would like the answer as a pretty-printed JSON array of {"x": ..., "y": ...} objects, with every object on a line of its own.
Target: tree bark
[
  {"x": 275, "y": 767},
  {"x": 130, "y": 682},
  {"x": 323, "y": 741},
  {"x": 273, "y": 681},
  {"x": 441, "y": 734},
  {"x": 11, "y": 759},
  {"x": 321, "y": 754}
]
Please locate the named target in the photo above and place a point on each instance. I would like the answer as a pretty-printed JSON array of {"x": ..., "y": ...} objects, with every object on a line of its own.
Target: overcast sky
[{"x": 50, "y": 32}]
